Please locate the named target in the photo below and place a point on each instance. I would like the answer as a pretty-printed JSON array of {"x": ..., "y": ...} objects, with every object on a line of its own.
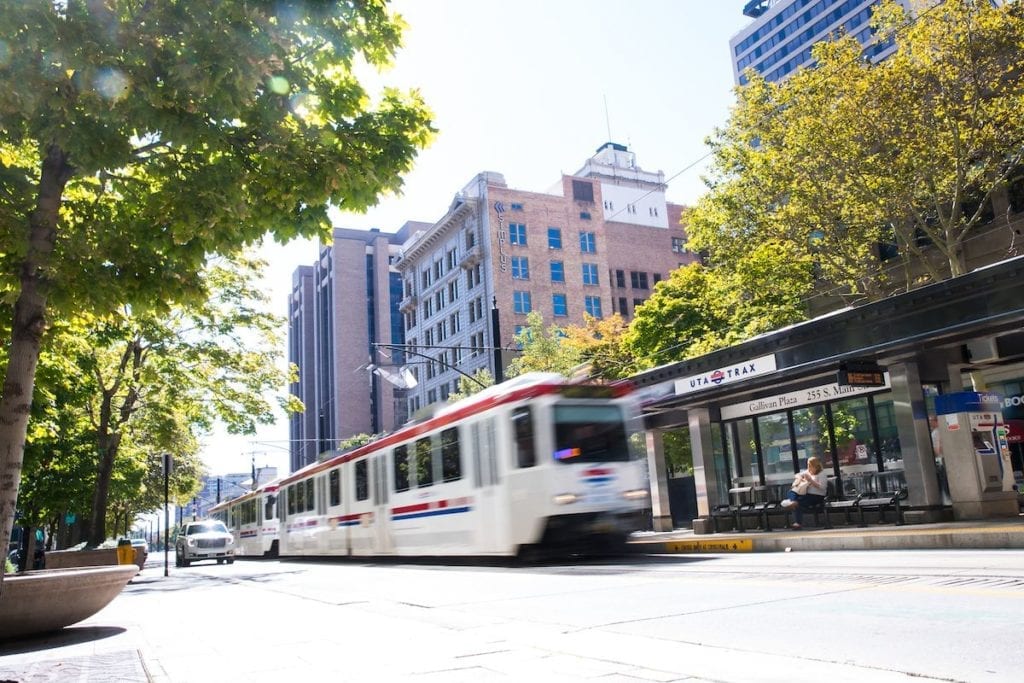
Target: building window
[
  {"x": 520, "y": 268},
  {"x": 554, "y": 238},
  {"x": 637, "y": 303},
  {"x": 590, "y": 274},
  {"x": 656, "y": 277},
  {"x": 426, "y": 278},
  {"x": 638, "y": 279},
  {"x": 453, "y": 323},
  {"x": 517, "y": 234},
  {"x": 557, "y": 271},
  {"x": 476, "y": 309},
  {"x": 453, "y": 258},
  {"x": 592, "y": 305},
  {"x": 453, "y": 290},
  {"x": 516, "y": 207},
  {"x": 679, "y": 245},
  {"x": 559, "y": 305},
  {"x": 431, "y": 398},
  {"x": 623, "y": 308},
  {"x": 521, "y": 302},
  {"x": 620, "y": 279},
  {"x": 473, "y": 276},
  {"x": 588, "y": 243},
  {"x": 584, "y": 215},
  {"x": 582, "y": 191}
]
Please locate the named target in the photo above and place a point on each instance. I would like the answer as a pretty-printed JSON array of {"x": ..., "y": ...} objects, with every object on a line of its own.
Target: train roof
[
  {"x": 526, "y": 386},
  {"x": 269, "y": 487}
]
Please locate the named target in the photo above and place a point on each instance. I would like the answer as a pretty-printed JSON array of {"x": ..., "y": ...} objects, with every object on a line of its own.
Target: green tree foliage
[
  {"x": 839, "y": 159},
  {"x": 543, "y": 349},
  {"x": 480, "y": 380},
  {"x": 599, "y": 344},
  {"x": 143, "y": 137},
  {"x": 698, "y": 309}
]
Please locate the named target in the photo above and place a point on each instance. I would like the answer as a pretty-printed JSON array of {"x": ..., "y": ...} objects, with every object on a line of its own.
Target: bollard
[{"x": 125, "y": 552}]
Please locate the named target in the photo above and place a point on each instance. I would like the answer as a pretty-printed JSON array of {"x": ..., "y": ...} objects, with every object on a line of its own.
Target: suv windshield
[{"x": 206, "y": 527}]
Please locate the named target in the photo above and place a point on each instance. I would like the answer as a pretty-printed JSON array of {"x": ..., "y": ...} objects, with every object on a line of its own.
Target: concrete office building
[
  {"x": 596, "y": 243},
  {"x": 338, "y": 309}
]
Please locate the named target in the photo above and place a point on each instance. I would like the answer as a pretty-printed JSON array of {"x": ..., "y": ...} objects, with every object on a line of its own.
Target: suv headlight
[
  {"x": 191, "y": 542},
  {"x": 231, "y": 540}
]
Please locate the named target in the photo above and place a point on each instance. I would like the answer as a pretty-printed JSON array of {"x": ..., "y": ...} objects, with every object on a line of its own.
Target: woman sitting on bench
[{"x": 809, "y": 489}]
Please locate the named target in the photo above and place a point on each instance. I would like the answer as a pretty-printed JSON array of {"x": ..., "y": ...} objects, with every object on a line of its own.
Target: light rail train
[
  {"x": 534, "y": 465},
  {"x": 252, "y": 520}
]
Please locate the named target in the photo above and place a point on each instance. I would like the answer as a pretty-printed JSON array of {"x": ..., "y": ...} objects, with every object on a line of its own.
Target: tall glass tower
[{"x": 779, "y": 40}]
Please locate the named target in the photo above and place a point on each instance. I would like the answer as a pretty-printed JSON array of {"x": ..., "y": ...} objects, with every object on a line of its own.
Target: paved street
[{"x": 880, "y": 616}]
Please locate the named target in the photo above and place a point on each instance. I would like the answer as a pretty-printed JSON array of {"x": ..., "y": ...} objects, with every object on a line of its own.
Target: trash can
[{"x": 125, "y": 552}]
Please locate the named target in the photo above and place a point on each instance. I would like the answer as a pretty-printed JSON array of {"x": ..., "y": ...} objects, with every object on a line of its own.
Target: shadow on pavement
[{"x": 69, "y": 636}]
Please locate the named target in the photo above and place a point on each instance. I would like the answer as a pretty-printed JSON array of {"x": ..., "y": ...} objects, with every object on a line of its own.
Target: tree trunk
[
  {"x": 27, "y": 331},
  {"x": 98, "y": 521}
]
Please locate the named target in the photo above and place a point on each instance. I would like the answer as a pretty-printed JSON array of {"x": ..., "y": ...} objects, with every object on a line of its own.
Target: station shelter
[{"x": 921, "y": 392}]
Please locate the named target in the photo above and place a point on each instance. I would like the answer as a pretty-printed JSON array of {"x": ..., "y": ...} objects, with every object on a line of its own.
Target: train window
[
  {"x": 335, "y": 478},
  {"x": 290, "y": 494},
  {"x": 362, "y": 481},
  {"x": 310, "y": 498},
  {"x": 270, "y": 508},
  {"x": 590, "y": 434},
  {"x": 400, "y": 465},
  {"x": 424, "y": 463},
  {"x": 451, "y": 465},
  {"x": 300, "y": 498},
  {"x": 522, "y": 427}
]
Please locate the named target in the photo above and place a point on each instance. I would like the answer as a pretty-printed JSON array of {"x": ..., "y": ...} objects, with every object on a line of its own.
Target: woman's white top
[{"x": 818, "y": 484}]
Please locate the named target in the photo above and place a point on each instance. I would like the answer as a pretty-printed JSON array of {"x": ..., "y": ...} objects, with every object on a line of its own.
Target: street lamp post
[{"x": 404, "y": 348}]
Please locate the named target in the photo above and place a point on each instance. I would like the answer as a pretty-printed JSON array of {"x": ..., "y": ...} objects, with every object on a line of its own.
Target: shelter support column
[
  {"x": 915, "y": 441},
  {"x": 661, "y": 511},
  {"x": 705, "y": 474}
]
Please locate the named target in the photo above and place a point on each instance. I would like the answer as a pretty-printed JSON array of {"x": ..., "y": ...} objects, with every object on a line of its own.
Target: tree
[
  {"x": 700, "y": 309},
  {"x": 481, "y": 379},
  {"x": 543, "y": 350},
  {"x": 599, "y": 344},
  {"x": 144, "y": 137},
  {"x": 841, "y": 160}
]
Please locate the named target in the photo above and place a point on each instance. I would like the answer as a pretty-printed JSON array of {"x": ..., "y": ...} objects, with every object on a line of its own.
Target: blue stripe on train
[{"x": 431, "y": 513}]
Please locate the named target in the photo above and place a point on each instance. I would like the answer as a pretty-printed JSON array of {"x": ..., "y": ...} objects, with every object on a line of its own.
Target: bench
[{"x": 881, "y": 502}]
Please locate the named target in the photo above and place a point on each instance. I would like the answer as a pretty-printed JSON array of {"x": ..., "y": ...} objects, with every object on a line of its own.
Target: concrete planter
[
  {"x": 63, "y": 559},
  {"x": 50, "y": 599}
]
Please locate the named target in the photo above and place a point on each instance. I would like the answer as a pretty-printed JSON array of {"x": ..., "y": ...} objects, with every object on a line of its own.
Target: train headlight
[
  {"x": 566, "y": 498},
  {"x": 635, "y": 494}
]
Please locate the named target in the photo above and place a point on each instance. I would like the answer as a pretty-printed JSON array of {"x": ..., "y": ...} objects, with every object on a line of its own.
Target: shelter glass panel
[
  {"x": 776, "y": 447},
  {"x": 811, "y": 427},
  {"x": 741, "y": 447}
]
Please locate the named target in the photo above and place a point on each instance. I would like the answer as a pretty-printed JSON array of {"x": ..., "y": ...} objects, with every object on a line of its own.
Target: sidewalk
[{"x": 969, "y": 535}]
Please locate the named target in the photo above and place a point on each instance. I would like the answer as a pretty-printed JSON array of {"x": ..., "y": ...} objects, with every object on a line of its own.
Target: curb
[{"x": 979, "y": 538}]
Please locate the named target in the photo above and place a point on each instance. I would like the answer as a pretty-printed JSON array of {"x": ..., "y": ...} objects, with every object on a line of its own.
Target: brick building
[{"x": 597, "y": 243}]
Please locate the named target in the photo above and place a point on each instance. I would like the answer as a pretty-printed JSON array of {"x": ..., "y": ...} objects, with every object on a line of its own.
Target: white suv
[{"x": 208, "y": 540}]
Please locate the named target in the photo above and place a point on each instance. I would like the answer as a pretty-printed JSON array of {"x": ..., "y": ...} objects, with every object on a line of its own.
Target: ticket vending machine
[{"x": 977, "y": 456}]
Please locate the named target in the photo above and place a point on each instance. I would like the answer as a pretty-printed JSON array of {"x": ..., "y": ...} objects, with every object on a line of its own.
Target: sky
[{"x": 530, "y": 89}]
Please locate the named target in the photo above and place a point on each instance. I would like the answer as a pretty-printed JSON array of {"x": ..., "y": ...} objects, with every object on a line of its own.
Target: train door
[
  {"x": 491, "y": 528},
  {"x": 360, "y": 509},
  {"x": 380, "y": 518},
  {"x": 525, "y": 487}
]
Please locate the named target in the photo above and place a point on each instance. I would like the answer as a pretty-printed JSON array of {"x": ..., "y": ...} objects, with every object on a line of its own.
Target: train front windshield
[{"x": 591, "y": 434}]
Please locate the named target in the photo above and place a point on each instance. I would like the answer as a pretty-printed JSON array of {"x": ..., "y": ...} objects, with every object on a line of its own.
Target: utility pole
[{"x": 499, "y": 371}]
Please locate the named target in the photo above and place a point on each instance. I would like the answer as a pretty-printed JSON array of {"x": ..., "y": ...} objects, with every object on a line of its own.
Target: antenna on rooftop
[{"x": 607, "y": 121}]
